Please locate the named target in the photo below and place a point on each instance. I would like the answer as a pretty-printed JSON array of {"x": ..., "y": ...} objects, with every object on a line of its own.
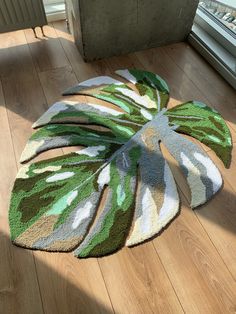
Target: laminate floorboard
[{"x": 190, "y": 267}]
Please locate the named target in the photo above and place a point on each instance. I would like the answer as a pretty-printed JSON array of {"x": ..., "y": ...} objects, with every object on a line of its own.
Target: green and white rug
[{"x": 54, "y": 204}]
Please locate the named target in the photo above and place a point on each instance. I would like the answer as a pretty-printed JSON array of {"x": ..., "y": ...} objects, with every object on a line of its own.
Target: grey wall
[{"x": 113, "y": 27}]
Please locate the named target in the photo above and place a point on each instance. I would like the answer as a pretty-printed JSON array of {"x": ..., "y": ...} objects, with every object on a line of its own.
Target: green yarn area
[
  {"x": 206, "y": 125},
  {"x": 116, "y": 223},
  {"x": 54, "y": 203}
]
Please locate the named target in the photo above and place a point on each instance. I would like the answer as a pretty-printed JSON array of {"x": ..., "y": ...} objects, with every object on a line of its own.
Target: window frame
[{"x": 216, "y": 43}]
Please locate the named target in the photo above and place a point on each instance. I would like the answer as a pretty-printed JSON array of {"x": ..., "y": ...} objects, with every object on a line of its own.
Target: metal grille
[{"x": 19, "y": 14}]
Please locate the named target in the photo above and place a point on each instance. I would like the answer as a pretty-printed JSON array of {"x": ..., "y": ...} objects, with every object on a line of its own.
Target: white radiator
[{"x": 20, "y": 14}]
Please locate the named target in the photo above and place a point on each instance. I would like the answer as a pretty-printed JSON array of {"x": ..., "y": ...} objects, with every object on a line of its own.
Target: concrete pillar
[{"x": 104, "y": 28}]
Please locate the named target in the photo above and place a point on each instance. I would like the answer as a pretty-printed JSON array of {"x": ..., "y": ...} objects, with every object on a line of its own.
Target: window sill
[
  {"x": 216, "y": 45},
  {"x": 55, "y": 11}
]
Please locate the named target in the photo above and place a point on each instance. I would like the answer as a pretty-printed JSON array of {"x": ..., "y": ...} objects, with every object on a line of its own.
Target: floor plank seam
[
  {"x": 106, "y": 287},
  {"x": 17, "y": 168},
  {"x": 172, "y": 285},
  {"x": 195, "y": 84},
  {"x": 97, "y": 259},
  {"x": 208, "y": 236}
]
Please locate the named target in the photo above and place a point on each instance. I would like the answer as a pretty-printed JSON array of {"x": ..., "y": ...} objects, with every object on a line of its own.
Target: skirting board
[{"x": 211, "y": 53}]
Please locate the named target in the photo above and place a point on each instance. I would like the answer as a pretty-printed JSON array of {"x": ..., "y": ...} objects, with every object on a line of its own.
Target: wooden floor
[{"x": 190, "y": 267}]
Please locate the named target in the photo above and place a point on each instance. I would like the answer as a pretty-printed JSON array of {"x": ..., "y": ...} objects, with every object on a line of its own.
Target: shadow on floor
[
  {"x": 25, "y": 97},
  {"x": 20, "y": 292}
]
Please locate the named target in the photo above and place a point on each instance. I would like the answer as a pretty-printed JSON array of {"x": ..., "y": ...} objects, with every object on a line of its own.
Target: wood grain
[
  {"x": 128, "y": 301},
  {"x": 43, "y": 50},
  {"x": 217, "y": 218},
  {"x": 189, "y": 268},
  {"x": 19, "y": 289},
  {"x": 79, "y": 285},
  {"x": 59, "y": 291},
  {"x": 199, "y": 303}
]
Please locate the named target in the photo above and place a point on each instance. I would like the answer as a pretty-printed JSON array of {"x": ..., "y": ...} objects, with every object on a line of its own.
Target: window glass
[{"x": 223, "y": 10}]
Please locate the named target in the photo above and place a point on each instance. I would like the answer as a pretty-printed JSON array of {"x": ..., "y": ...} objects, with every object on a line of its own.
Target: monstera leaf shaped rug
[{"x": 118, "y": 190}]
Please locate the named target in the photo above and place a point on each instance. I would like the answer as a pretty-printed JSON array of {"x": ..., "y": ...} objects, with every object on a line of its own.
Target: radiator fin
[{"x": 20, "y": 14}]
